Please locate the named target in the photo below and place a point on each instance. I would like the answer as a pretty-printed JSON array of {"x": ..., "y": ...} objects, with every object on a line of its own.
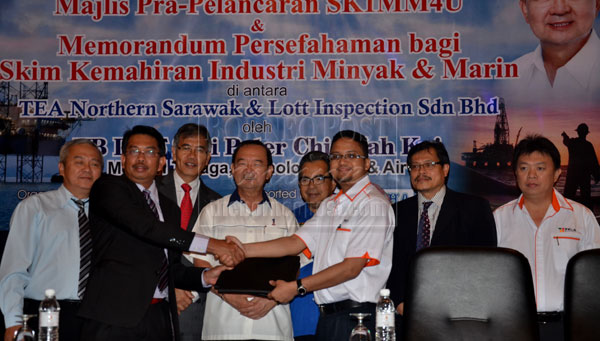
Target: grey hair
[
  {"x": 64, "y": 150},
  {"x": 192, "y": 129}
]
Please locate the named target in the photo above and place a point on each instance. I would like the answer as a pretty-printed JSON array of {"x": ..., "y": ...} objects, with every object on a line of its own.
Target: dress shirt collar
[
  {"x": 152, "y": 189},
  {"x": 154, "y": 195},
  {"x": 437, "y": 199},
  {"x": 235, "y": 196},
  {"x": 558, "y": 202},
  {"x": 179, "y": 181},
  {"x": 64, "y": 199},
  {"x": 538, "y": 61},
  {"x": 355, "y": 190},
  {"x": 579, "y": 65}
]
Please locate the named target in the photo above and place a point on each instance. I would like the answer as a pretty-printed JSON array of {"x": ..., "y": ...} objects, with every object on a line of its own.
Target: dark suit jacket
[
  {"x": 463, "y": 220},
  {"x": 128, "y": 243},
  {"x": 166, "y": 187},
  {"x": 192, "y": 318}
]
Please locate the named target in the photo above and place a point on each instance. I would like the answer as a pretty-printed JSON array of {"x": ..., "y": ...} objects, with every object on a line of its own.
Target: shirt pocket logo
[
  {"x": 343, "y": 227},
  {"x": 565, "y": 246},
  {"x": 566, "y": 237}
]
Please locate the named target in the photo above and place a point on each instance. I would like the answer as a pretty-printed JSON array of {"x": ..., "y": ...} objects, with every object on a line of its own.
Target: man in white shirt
[
  {"x": 545, "y": 227},
  {"x": 566, "y": 63},
  {"x": 47, "y": 247},
  {"x": 350, "y": 238},
  {"x": 251, "y": 216}
]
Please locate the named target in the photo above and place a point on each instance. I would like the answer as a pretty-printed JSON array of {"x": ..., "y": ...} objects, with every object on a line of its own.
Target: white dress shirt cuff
[
  {"x": 199, "y": 244},
  {"x": 203, "y": 281}
]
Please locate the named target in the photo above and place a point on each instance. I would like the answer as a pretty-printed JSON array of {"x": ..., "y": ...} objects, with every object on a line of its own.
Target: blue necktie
[{"x": 423, "y": 235}]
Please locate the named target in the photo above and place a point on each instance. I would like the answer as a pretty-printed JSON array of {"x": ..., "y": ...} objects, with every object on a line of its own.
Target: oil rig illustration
[
  {"x": 497, "y": 155},
  {"x": 29, "y": 140}
]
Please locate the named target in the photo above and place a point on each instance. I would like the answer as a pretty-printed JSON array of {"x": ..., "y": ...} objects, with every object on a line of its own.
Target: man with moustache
[
  {"x": 350, "y": 237},
  {"x": 568, "y": 57},
  {"x": 191, "y": 154},
  {"x": 137, "y": 250},
  {"x": 435, "y": 216},
  {"x": 251, "y": 216},
  {"x": 49, "y": 244},
  {"x": 316, "y": 184},
  {"x": 546, "y": 227}
]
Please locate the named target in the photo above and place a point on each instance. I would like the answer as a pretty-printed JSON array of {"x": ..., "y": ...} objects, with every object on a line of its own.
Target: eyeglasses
[
  {"x": 347, "y": 156},
  {"x": 317, "y": 180},
  {"x": 188, "y": 149},
  {"x": 425, "y": 166},
  {"x": 149, "y": 153}
]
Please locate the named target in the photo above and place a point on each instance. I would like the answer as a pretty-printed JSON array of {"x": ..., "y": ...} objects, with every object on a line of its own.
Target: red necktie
[{"x": 186, "y": 206}]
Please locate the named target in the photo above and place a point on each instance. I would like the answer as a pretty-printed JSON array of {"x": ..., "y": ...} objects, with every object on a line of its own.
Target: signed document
[{"x": 252, "y": 276}]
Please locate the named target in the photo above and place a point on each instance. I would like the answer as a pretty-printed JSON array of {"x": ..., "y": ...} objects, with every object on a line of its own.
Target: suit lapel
[
  {"x": 413, "y": 223},
  {"x": 170, "y": 214},
  {"x": 198, "y": 204},
  {"x": 167, "y": 187},
  {"x": 137, "y": 193},
  {"x": 447, "y": 211}
]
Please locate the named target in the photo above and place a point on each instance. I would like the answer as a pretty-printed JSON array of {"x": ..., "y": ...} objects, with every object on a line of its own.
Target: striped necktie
[
  {"x": 85, "y": 247},
  {"x": 163, "y": 278}
]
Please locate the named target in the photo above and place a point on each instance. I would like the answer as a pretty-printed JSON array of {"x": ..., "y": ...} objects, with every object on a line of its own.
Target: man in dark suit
[
  {"x": 136, "y": 260},
  {"x": 435, "y": 216},
  {"x": 191, "y": 154}
]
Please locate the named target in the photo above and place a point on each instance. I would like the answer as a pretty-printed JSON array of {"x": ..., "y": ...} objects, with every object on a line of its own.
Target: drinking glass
[
  {"x": 360, "y": 332},
  {"x": 25, "y": 333}
]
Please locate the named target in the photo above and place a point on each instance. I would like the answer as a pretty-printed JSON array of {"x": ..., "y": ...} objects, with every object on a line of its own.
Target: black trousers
[
  {"x": 154, "y": 326},
  {"x": 552, "y": 330},
  {"x": 191, "y": 320},
  {"x": 339, "y": 325},
  {"x": 69, "y": 324}
]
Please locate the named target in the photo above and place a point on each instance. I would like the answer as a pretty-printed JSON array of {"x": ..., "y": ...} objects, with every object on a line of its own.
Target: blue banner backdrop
[{"x": 291, "y": 73}]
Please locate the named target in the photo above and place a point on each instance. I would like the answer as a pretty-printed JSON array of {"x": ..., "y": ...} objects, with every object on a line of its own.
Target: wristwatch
[{"x": 301, "y": 288}]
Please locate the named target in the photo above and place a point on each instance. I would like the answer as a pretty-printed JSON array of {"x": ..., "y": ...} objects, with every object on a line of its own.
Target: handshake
[{"x": 230, "y": 252}]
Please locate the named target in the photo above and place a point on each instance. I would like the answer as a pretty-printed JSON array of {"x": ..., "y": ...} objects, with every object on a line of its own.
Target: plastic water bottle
[
  {"x": 385, "y": 318},
  {"x": 48, "y": 317}
]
